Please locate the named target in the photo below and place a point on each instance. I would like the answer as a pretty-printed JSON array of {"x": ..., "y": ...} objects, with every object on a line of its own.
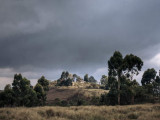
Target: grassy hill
[
  {"x": 79, "y": 90},
  {"x": 129, "y": 112}
]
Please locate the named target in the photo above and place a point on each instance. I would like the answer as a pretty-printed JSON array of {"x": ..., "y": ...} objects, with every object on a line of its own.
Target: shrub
[
  {"x": 81, "y": 102},
  {"x": 57, "y": 101},
  {"x": 64, "y": 103}
]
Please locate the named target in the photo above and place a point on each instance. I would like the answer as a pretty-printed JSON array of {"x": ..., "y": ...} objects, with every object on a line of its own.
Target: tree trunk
[{"x": 119, "y": 96}]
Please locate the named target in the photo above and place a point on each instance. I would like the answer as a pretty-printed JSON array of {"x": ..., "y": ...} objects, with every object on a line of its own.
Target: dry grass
[
  {"x": 85, "y": 90},
  {"x": 94, "y": 92},
  {"x": 65, "y": 93},
  {"x": 139, "y": 112}
]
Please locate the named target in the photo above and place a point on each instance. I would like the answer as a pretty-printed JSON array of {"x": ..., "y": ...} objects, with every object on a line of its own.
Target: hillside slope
[
  {"x": 65, "y": 93},
  {"x": 74, "y": 93}
]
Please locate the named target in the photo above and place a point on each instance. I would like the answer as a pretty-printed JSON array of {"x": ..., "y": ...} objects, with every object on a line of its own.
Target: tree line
[
  {"x": 22, "y": 93},
  {"x": 66, "y": 79}
]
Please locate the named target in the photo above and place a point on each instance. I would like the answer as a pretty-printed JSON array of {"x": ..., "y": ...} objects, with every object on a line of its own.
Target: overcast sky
[{"x": 45, "y": 37}]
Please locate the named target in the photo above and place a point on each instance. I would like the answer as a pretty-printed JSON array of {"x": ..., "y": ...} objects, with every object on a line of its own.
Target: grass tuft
[
  {"x": 133, "y": 116},
  {"x": 50, "y": 113}
]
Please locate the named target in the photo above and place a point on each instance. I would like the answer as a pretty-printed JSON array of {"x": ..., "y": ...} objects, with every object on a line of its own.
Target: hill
[
  {"x": 129, "y": 112},
  {"x": 78, "y": 91}
]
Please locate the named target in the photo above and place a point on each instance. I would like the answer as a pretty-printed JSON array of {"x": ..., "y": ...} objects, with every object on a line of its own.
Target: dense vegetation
[
  {"x": 123, "y": 89},
  {"x": 22, "y": 93}
]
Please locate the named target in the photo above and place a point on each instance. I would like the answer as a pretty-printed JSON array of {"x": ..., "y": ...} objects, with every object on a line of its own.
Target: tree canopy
[
  {"x": 21, "y": 93},
  {"x": 44, "y": 83},
  {"x": 65, "y": 80},
  {"x": 119, "y": 66},
  {"x": 149, "y": 76}
]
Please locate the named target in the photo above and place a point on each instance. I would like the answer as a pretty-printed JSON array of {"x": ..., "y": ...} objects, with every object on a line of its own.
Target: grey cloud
[{"x": 74, "y": 35}]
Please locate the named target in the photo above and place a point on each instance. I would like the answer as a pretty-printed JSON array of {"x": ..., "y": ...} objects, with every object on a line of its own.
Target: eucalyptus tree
[{"x": 119, "y": 66}]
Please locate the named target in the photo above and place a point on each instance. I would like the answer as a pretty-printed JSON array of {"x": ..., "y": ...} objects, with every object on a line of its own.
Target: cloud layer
[{"x": 45, "y": 37}]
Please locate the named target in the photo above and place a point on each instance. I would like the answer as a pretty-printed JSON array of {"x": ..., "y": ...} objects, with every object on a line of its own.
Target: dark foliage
[
  {"x": 22, "y": 93},
  {"x": 44, "y": 83},
  {"x": 65, "y": 80}
]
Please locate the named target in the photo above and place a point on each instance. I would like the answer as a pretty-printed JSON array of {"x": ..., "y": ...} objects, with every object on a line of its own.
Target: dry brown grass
[
  {"x": 139, "y": 112},
  {"x": 65, "y": 93}
]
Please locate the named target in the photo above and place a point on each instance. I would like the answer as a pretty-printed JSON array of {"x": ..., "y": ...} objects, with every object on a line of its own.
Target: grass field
[{"x": 139, "y": 112}]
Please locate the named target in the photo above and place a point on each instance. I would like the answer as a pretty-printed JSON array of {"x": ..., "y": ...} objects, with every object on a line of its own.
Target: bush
[
  {"x": 57, "y": 101},
  {"x": 95, "y": 100},
  {"x": 110, "y": 98},
  {"x": 64, "y": 103},
  {"x": 81, "y": 102}
]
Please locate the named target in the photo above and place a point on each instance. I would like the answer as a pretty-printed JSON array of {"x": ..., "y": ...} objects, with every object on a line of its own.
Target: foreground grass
[{"x": 140, "y": 112}]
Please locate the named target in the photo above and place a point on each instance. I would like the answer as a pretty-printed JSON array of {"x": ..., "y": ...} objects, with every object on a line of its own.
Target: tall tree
[
  {"x": 119, "y": 66},
  {"x": 115, "y": 68}
]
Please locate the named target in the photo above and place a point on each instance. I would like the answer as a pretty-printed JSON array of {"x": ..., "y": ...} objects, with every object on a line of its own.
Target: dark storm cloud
[{"x": 76, "y": 35}]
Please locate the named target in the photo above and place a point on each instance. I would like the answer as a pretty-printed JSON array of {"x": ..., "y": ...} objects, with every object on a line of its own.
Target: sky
[{"x": 40, "y": 37}]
